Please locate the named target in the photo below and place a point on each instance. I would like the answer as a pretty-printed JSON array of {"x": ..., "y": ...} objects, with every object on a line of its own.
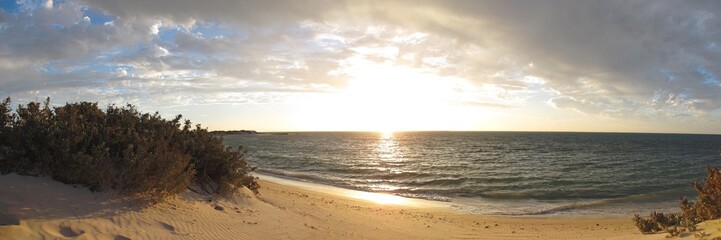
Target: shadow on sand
[{"x": 28, "y": 197}]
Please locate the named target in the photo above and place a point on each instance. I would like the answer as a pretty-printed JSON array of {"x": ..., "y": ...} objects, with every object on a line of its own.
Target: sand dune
[{"x": 51, "y": 210}]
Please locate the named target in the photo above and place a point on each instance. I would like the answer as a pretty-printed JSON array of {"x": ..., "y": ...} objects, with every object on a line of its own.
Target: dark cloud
[
  {"x": 250, "y": 12},
  {"x": 605, "y": 50}
]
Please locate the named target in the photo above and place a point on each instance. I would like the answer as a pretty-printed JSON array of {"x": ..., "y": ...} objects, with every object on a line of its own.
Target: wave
[
  {"x": 587, "y": 204},
  {"x": 510, "y": 172},
  {"x": 512, "y": 204},
  {"x": 307, "y": 177}
]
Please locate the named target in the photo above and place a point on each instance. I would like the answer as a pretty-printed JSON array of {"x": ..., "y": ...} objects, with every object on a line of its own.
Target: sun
[{"x": 386, "y": 98}]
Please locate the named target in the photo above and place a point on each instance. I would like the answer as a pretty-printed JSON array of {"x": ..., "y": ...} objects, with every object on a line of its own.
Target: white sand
[{"x": 51, "y": 210}]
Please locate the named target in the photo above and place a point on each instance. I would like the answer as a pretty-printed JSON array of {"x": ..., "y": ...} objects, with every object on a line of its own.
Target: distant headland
[
  {"x": 245, "y": 132},
  {"x": 228, "y": 132}
]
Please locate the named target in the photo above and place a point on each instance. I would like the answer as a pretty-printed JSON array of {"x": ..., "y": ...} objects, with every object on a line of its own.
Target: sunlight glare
[
  {"x": 379, "y": 198},
  {"x": 390, "y": 98}
]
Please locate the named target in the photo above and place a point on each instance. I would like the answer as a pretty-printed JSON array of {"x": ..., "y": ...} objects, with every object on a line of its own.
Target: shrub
[
  {"x": 657, "y": 222},
  {"x": 665, "y": 220},
  {"x": 708, "y": 201},
  {"x": 6, "y": 119},
  {"x": 706, "y": 207},
  {"x": 26, "y": 137},
  {"x": 646, "y": 226},
  {"x": 139, "y": 154},
  {"x": 219, "y": 169}
]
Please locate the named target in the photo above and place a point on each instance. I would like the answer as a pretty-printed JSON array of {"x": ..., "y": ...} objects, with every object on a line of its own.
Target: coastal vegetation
[
  {"x": 141, "y": 155},
  {"x": 707, "y": 206}
]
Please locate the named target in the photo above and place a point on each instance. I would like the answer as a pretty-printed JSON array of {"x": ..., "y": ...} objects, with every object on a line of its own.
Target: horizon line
[{"x": 498, "y": 131}]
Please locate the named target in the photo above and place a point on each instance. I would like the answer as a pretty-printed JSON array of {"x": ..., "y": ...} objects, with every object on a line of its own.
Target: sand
[{"x": 47, "y": 209}]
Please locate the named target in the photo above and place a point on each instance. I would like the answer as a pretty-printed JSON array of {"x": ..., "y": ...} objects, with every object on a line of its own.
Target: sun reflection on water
[
  {"x": 387, "y": 158},
  {"x": 387, "y": 148}
]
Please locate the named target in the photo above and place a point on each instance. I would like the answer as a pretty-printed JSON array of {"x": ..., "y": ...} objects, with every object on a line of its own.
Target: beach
[
  {"x": 283, "y": 210},
  {"x": 350, "y": 120}
]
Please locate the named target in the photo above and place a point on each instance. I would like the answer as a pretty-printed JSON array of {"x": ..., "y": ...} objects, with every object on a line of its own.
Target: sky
[{"x": 296, "y": 65}]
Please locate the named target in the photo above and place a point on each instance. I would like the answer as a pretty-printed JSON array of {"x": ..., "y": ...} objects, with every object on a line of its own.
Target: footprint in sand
[
  {"x": 69, "y": 232},
  {"x": 167, "y": 226},
  {"x": 171, "y": 228},
  {"x": 121, "y": 237}
]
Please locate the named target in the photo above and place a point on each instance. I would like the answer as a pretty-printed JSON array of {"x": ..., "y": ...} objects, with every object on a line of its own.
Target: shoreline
[
  {"x": 49, "y": 209},
  {"x": 440, "y": 222},
  {"x": 538, "y": 174},
  {"x": 380, "y": 198},
  {"x": 622, "y": 207}
]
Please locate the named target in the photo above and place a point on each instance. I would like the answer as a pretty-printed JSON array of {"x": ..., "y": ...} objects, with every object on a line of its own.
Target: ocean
[{"x": 497, "y": 173}]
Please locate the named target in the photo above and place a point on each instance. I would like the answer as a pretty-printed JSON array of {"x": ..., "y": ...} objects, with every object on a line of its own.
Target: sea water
[{"x": 497, "y": 173}]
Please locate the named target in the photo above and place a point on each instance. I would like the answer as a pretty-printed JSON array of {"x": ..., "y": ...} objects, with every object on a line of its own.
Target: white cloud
[{"x": 645, "y": 59}]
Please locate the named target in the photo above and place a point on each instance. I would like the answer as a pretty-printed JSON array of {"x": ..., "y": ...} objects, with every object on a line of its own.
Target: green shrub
[
  {"x": 139, "y": 154},
  {"x": 26, "y": 137},
  {"x": 219, "y": 169}
]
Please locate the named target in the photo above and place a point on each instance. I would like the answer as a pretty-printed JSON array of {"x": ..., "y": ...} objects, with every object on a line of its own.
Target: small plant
[
  {"x": 701, "y": 235},
  {"x": 665, "y": 220},
  {"x": 657, "y": 222},
  {"x": 673, "y": 232},
  {"x": 646, "y": 226}
]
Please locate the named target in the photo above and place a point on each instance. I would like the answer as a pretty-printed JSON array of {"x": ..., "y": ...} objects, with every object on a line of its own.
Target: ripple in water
[{"x": 507, "y": 173}]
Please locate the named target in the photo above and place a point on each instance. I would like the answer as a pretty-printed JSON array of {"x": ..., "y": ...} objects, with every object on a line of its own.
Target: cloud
[
  {"x": 618, "y": 59},
  {"x": 581, "y": 106},
  {"x": 249, "y": 12},
  {"x": 598, "y": 52}
]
